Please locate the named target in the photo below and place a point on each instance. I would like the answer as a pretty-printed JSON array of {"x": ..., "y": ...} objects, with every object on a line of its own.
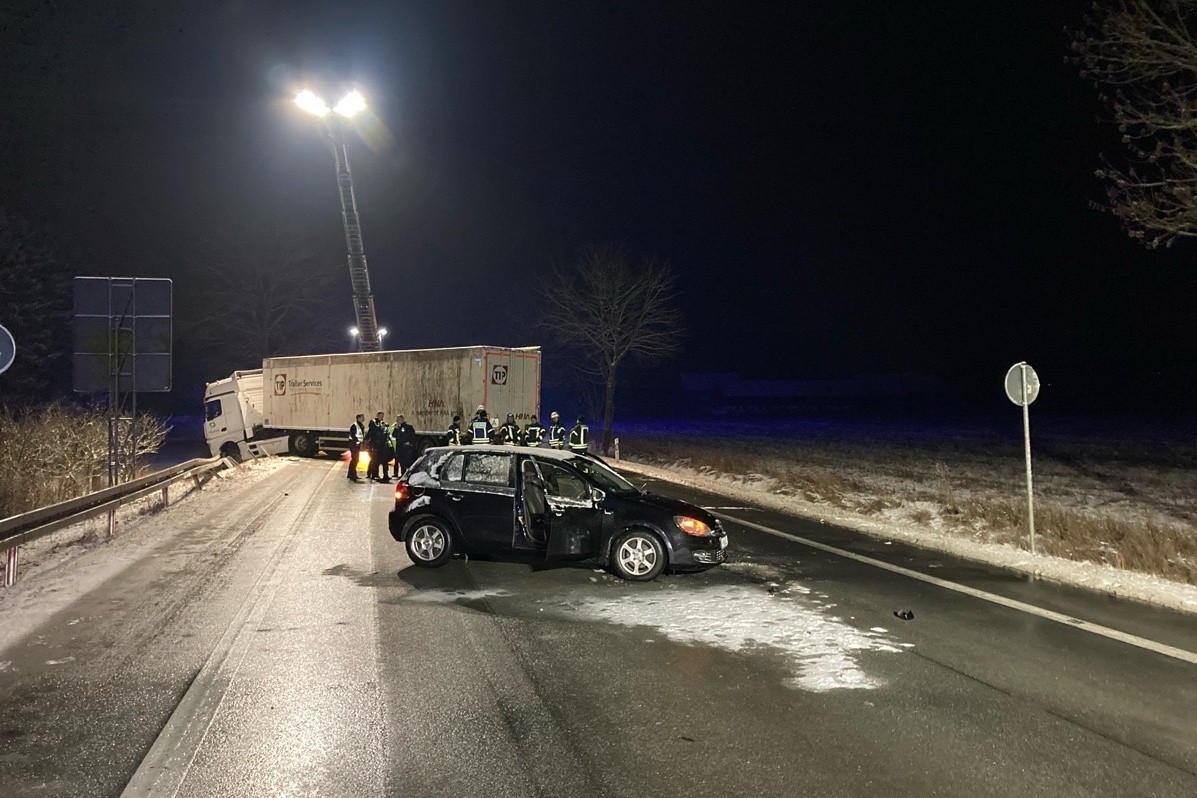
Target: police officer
[
  {"x": 509, "y": 433},
  {"x": 403, "y": 435},
  {"x": 377, "y": 435},
  {"x": 357, "y": 434},
  {"x": 556, "y": 431},
  {"x": 453, "y": 434},
  {"x": 579, "y": 437},
  {"x": 480, "y": 427},
  {"x": 533, "y": 433}
]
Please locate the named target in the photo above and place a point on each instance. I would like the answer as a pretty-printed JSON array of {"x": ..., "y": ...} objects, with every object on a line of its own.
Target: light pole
[{"x": 335, "y": 119}]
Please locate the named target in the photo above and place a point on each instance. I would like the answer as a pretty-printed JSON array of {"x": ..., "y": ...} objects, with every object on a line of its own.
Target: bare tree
[
  {"x": 1142, "y": 57},
  {"x": 607, "y": 309},
  {"x": 259, "y": 291}
]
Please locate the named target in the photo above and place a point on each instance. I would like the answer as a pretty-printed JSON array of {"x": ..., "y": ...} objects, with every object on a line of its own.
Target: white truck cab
[{"x": 232, "y": 413}]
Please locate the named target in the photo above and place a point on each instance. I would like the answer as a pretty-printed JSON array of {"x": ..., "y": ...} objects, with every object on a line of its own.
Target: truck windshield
[
  {"x": 212, "y": 409},
  {"x": 602, "y": 476}
]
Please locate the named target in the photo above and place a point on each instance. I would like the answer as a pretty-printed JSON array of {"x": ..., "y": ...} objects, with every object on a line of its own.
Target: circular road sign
[
  {"x": 1014, "y": 384},
  {"x": 8, "y": 349}
]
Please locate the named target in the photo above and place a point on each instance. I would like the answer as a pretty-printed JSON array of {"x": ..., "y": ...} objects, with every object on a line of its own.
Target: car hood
[{"x": 678, "y": 507}]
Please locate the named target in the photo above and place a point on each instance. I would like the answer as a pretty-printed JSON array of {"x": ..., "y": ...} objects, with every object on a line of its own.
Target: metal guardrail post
[{"x": 10, "y": 566}]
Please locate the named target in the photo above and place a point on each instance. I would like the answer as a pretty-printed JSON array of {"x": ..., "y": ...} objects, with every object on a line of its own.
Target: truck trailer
[{"x": 305, "y": 405}]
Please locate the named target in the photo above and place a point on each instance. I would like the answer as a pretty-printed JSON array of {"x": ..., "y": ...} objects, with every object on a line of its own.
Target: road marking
[
  {"x": 164, "y": 768},
  {"x": 1030, "y": 609}
]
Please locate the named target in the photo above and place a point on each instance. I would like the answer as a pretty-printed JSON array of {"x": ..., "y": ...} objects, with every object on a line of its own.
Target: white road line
[
  {"x": 1030, "y": 609},
  {"x": 161, "y": 773}
]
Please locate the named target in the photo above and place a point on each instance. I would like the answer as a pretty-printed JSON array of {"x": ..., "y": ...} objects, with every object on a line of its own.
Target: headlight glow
[{"x": 691, "y": 526}]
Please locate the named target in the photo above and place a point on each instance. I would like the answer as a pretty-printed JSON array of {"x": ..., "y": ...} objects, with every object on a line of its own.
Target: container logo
[
  {"x": 498, "y": 375},
  {"x": 280, "y": 384}
]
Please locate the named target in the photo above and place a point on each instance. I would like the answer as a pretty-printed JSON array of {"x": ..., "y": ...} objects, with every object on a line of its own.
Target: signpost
[
  {"x": 1022, "y": 388},
  {"x": 8, "y": 349}
]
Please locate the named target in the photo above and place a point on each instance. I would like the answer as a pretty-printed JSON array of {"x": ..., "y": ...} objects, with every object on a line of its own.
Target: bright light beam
[
  {"x": 309, "y": 102},
  {"x": 351, "y": 104}
]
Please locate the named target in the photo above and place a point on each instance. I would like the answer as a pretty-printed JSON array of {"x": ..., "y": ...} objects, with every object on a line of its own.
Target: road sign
[
  {"x": 8, "y": 349},
  {"x": 1022, "y": 388},
  {"x": 1015, "y": 387},
  {"x": 122, "y": 334}
]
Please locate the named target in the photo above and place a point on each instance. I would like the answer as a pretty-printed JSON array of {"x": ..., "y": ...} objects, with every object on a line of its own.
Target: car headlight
[{"x": 691, "y": 526}]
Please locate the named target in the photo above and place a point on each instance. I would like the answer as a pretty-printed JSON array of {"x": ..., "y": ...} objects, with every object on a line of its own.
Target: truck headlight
[{"x": 691, "y": 526}]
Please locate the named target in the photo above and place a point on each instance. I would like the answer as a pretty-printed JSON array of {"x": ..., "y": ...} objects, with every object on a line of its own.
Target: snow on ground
[
  {"x": 820, "y": 648},
  {"x": 58, "y": 569},
  {"x": 1103, "y": 578}
]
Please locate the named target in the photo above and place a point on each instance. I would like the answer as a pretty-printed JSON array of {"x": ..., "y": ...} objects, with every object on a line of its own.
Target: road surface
[{"x": 277, "y": 642}]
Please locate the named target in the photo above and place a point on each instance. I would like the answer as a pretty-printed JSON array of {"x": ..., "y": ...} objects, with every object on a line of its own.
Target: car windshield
[{"x": 602, "y": 476}]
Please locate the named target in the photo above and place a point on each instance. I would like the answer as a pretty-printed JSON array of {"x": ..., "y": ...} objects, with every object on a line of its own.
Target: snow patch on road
[{"x": 820, "y": 647}]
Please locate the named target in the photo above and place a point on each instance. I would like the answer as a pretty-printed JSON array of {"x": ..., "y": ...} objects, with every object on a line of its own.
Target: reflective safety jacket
[
  {"x": 511, "y": 434},
  {"x": 480, "y": 430},
  {"x": 453, "y": 436},
  {"x": 356, "y": 434},
  {"x": 533, "y": 433},
  {"x": 557, "y": 436},
  {"x": 579, "y": 438}
]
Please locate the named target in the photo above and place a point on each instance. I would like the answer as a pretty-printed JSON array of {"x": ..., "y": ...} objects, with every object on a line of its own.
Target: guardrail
[{"x": 28, "y": 527}]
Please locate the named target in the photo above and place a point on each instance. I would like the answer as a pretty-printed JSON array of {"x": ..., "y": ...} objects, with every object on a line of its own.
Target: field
[{"x": 1114, "y": 497}]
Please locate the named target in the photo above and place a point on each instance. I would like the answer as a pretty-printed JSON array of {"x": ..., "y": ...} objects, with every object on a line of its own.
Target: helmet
[
  {"x": 456, "y": 418},
  {"x": 555, "y": 415},
  {"x": 511, "y": 416},
  {"x": 581, "y": 420},
  {"x": 481, "y": 408}
]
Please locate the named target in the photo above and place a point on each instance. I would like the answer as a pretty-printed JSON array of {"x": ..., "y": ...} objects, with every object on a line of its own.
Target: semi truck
[{"x": 305, "y": 405}]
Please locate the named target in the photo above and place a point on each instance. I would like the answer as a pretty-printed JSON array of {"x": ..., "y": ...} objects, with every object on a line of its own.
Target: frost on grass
[{"x": 820, "y": 648}]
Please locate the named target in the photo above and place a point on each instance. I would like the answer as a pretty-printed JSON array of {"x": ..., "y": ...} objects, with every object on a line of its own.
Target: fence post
[
  {"x": 10, "y": 567},
  {"x": 166, "y": 495},
  {"x": 617, "y": 448},
  {"x": 112, "y": 520}
]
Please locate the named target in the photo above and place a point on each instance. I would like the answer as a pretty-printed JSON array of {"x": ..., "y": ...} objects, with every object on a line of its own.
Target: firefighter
[
  {"x": 509, "y": 433},
  {"x": 376, "y": 444},
  {"x": 357, "y": 434},
  {"x": 556, "y": 431},
  {"x": 579, "y": 437},
  {"x": 404, "y": 437},
  {"x": 533, "y": 433},
  {"x": 453, "y": 434},
  {"x": 480, "y": 427}
]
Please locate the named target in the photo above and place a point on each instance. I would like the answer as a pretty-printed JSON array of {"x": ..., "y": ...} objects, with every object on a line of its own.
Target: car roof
[{"x": 539, "y": 451}]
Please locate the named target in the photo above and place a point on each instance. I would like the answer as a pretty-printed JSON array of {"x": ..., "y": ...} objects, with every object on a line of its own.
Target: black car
[{"x": 546, "y": 504}]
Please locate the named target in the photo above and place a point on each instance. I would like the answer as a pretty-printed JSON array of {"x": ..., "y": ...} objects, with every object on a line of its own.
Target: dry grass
[
  {"x": 1116, "y": 505},
  {"x": 52, "y": 453}
]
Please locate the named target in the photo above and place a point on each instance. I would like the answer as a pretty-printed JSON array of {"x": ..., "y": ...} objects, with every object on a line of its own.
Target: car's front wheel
[
  {"x": 429, "y": 543},
  {"x": 638, "y": 556}
]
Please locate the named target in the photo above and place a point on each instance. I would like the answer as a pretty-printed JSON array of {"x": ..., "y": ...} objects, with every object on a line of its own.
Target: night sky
[{"x": 843, "y": 188}]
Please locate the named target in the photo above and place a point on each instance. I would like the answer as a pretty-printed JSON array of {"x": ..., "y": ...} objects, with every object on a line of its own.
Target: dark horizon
[{"x": 841, "y": 190}]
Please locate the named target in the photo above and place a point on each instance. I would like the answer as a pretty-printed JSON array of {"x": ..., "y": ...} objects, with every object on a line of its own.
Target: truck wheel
[
  {"x": 304, "y": 444},
  {"x": 424, "y": 443},
  {"x": 231, "y": 451},
  {"x": 429, "y": 544}
]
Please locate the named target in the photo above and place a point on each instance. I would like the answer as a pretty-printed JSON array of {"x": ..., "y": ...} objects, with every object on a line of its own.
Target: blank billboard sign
[{"x": 122, "y": 331}]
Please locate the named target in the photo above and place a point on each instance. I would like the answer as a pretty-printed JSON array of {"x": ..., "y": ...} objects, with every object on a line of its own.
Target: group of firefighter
[
  {"x": 386, "y": 443},
  {"x": 482, "y": 430}
]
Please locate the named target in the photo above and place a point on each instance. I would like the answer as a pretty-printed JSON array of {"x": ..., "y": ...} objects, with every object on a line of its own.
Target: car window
[
  {"x": 450, "y": 471},
  {"x": 212, "y": 409},
  {"x": 483, "y": 468},
  {"x": 607, "y": 479},
  {"x": 562, "y": 482}
]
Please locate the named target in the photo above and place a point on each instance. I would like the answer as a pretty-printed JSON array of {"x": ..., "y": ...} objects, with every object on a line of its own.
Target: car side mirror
[{"x": 597, "y": 496}]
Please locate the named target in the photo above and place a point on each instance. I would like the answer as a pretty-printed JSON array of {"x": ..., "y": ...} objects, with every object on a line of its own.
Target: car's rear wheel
[
  {"x": 638, "y": 556},
  {"x": 429, "y": 544}
]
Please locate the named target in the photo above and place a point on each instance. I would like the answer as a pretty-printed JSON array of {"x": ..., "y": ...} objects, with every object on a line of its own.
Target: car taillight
[{"x": 401, "y": 491}]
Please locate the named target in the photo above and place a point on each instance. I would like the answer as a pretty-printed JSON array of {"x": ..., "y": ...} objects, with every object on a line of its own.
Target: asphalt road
[{"x": 279, "y": 643}]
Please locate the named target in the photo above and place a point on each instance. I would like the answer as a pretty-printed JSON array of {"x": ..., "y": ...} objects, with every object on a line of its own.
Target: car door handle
[{"x": 454, "y": 496}]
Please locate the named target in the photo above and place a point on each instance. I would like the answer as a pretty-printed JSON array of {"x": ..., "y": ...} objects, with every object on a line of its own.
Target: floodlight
[
  {"x": 311, "y": 103},
  {"x": 351, "y": 104}
]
